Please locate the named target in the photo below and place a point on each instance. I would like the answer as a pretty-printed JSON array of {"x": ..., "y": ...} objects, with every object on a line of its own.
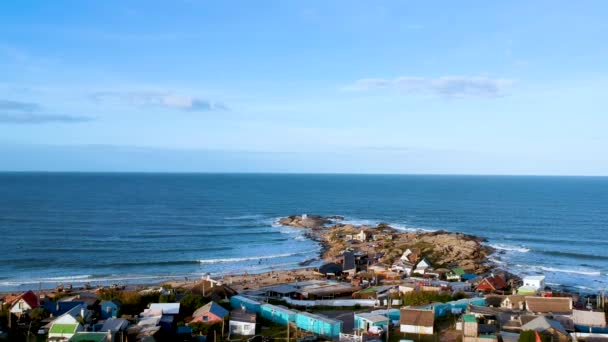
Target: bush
[
  {"x": 424, "y": 297},
  {"x": 191, "y": 302},
  {"x": 37, "y": 314}
]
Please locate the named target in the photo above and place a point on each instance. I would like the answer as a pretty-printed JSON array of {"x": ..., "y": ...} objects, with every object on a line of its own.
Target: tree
[{"x": 37, "y": 314}]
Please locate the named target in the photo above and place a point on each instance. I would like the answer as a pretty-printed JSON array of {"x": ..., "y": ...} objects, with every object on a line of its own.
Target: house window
[{"x": 205, "y": 318}]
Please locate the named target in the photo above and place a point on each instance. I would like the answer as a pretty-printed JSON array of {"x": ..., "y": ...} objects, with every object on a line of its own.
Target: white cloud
[
  {"x": 449, "y": 86},
  {"x": 160, "y": 99}
]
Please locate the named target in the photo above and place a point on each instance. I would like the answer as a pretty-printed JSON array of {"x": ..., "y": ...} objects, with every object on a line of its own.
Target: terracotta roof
[
  {"x": 549, "y": 304},
  {"x": 30, "y": 298},
  {"x": 494, "y": 282},
  {"x": 423, "y": 318},
  {"x": 211, "y": 307}
]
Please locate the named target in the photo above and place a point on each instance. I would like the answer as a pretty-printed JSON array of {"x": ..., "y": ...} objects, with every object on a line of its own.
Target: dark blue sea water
[{"x": 106, "y": 228}]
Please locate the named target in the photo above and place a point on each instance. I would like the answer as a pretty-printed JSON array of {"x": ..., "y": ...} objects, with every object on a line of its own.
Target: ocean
[{"x": 104, "y": 228}]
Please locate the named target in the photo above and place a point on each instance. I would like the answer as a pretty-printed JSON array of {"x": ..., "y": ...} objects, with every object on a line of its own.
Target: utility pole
[{"x": 388, "y": 314}]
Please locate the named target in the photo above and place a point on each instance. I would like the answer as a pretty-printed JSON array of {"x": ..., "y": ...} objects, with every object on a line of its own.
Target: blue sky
[{"x": 304, "y": 86}]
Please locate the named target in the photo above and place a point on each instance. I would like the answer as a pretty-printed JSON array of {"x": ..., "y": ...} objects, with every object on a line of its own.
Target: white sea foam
[
  {"x": 509, "y": 248},
  {"x": 240, "y": 259},
  {"x": 560, "y": 270}
]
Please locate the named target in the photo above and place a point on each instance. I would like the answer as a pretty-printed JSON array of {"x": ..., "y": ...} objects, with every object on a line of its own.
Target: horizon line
[{"x": 299, "y": 173}]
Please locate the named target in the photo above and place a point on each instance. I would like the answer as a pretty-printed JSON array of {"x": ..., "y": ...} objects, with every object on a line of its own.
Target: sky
[{"x": 434, "y": 87}]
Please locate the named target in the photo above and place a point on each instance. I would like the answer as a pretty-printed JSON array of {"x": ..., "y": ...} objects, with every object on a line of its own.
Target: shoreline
[{"x": 476, "y": 255}]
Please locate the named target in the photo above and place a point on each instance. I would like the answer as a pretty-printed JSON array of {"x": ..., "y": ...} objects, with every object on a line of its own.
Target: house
[
  {"x": 460, "y": 286},
  {"x": 330, "y": 269},
  {"x": 414, "y": 321},
  {"x": 491, "y": 283},
  {"x": 369, "y": 321},
  {"x": 56, "y": 309},
  {"x": 422, "y": 266},
  {"x": 411, "y": 255},
  {"x": 165, "y": 308},
  {"x": 349, "y": 262},
  {"x": 382, "y": 237},
  {"x": 513, "y": 302},
  {"x": 240, "y": 302},
  {"x": 362, "y": 236},
  {"x": 277, "y": 314},
  {"x": 319, "y": 325},
  {"x": 544, "y": 325},
  {"x": 241, "y": 323},
  {"x": 24, "y": 303},
  {"x": 377, "y": 269},
  {"x": 109, "y": 309},
  {"x": 210, "y": 313},
  {"x": 114, "y": 327},
  {"x": 455, "y": 274},
  {"x": 68, "y": 324},
  {"x": 537, "y": 282},
  {"x": 401, "y": 266},
  {"x": 555, "y": 305},
  {"x": 405, "y": 288},
  {"x": 584, "y": 321},
  {"x": 470, "y": 326},
  {"x": 531, "y": 285}
]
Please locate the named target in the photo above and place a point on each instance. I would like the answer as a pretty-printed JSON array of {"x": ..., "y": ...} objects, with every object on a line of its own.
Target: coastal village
[{"x": 375, "y": 283}]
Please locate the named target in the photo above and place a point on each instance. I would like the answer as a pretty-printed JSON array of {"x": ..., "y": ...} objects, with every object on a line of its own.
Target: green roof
[
  {"x": 468, "y": 318},
  {"x": 89, "y": 337},
  {"x": 63, "y": 328},
  {"x": 458, "y": 271},
  {"x": 370, "y": 289}
]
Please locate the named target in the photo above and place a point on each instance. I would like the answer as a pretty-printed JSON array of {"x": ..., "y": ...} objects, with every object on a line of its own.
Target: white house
[
  {"x": 422, "y": 266},
  {"x": 242, "y": 323},
  {"x": 401, "y": 266},
  {"x": 362, "y": 236},
  {"x": 25, "y": 302},
  {"x": 68, "y": 324},
  {"x": 537, "y": 282}
]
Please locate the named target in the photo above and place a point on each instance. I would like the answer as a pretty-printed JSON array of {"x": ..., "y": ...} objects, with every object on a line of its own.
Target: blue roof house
[
  {"x": 277, "y": 314},
  {"x": 240, "y": 302},
  {"x": 319, "y": 325},
  {"x": 109, "y": 309}
]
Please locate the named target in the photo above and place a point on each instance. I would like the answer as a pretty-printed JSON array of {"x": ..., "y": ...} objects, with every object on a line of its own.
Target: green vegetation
[
  {"x": 132, "y": 303},
  {"x": 530, "y": 336},
  {"x": 191, "y": 302},
  {"x": 425, "y": 297}
]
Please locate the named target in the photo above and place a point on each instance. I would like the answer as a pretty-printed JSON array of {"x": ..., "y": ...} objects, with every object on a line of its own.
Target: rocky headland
[{"x": 443, "y": 249}]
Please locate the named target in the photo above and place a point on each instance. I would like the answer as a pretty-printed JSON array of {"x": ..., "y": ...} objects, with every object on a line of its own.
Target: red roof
[
  {"x": 30, "y": 298},
  {"x": 491, "y": 283}
]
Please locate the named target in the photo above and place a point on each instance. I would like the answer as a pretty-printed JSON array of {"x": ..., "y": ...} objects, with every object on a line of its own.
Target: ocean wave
[
  {"x": 560, "y": 270},
  {"x": 575, "y": 255},
  {"x": 509, "y": 248},
  {"x": 151, "y": 263},
  {"x": 67, "y": 278},
  {"x": 241, "y": 259}
]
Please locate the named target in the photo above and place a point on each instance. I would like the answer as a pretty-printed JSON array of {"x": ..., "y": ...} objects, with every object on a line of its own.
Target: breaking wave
[{"x": 509, "y": 248}]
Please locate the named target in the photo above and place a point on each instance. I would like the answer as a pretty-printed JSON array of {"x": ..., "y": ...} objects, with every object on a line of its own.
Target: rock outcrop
[{"x": 443, "y": 249}]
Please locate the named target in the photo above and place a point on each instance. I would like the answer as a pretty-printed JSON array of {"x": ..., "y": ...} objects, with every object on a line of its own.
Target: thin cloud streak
[
  {"x": 34, "y": 118},
  {"x": 159, "y": 100},
  {"x": 17, "y": 112},
  {"x": 447, "y": 87}
]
